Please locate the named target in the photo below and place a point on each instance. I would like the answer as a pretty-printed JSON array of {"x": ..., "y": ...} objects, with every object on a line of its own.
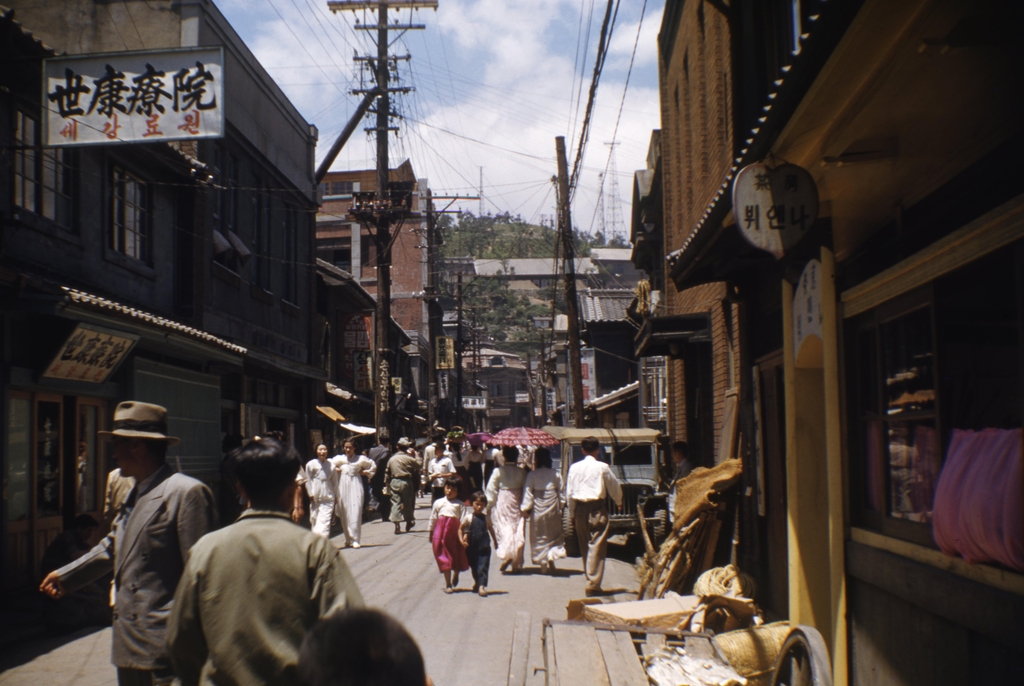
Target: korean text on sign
[{"x": 134, "y": 96}]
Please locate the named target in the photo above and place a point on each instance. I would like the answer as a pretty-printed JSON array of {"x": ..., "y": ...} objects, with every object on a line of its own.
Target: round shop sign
[{"x": 774, "y": 208}]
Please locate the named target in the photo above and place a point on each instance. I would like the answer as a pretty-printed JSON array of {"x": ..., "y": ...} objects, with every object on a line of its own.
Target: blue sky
[{"x": 495, "y": 82}]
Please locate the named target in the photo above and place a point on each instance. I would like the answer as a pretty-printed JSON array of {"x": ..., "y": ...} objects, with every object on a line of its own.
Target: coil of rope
[{"x": 727, "y": 580}]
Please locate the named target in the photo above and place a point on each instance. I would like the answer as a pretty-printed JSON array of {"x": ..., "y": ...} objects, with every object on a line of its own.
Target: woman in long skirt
[
  {"x": 504, "y": 500},
  {"x": 542, "y": 500},
  {"x": 445, "y": 521},
  {"x": 350, "y": 469}
]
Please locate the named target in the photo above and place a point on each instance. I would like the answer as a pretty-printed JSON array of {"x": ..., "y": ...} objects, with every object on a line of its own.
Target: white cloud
[{"x": 495, "y": 83}]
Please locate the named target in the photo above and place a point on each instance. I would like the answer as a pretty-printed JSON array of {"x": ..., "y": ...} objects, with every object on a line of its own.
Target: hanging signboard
[
  {"x": 128, "y": 97},
  {"x": 588, "y": 373},
  {"x": 90, "y": 355},
  {"x": 807, "y": 317},
  {"x": 362, "y": 370},
  {"x": 522, "y": 397},
  {"x": 550, "y": 403},
  {"x": 355, "y": 337},
  {"x": 445, "y": 352},
  {"x": 774, "y": 208},
  {"x": 442, "y": 386},
  {"x": 396, "y": 384},
  {"x": 474, "y": 402}
]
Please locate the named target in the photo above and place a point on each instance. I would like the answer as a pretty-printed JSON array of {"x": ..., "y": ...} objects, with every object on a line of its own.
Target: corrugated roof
[
  {"x": 96, "y": 302},
  {"x": 606, "y": 305}
]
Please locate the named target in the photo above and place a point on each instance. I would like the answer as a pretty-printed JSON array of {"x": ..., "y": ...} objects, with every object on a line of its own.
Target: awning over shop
[
  {"x": 615, "y": 397},
  {"x": 331, "y": 413},
  {"x": 345, "y": 394},
  {"x": 357, "y": 429},
  {"x": 663, "y": 335}
]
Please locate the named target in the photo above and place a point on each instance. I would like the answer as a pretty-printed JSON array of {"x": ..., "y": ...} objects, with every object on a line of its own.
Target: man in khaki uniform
[
  {"x": 252, "y": 590},
  {"x": 403, "y": 478}
]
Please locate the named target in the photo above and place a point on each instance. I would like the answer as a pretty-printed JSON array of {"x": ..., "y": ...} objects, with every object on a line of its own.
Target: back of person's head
[
  {"x": 478, "y": 497},
  {"x": 590, "y": 445},
  {"x": 510, "y": 453},
  {"x": 681, "y": 447},
  {"x": 360, "y": 648},
  {"x": 542, "y": 458},
  {"x": 265, "y": 468}
]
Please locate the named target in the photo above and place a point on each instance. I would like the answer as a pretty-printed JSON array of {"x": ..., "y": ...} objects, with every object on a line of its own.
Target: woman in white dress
[
  {"x": 350, "y": 469},
  {"x": 542, "y": 501},
  {"x": 504, "y": 500}
]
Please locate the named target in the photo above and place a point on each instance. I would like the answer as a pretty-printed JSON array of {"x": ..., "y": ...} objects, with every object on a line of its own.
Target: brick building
[
  {"x": 349, "y": 246},
  {"x": 863, "y": 365}
]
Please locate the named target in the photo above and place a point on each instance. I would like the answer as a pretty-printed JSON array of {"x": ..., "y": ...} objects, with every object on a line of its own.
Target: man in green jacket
[{"x": 252, "y": 590}]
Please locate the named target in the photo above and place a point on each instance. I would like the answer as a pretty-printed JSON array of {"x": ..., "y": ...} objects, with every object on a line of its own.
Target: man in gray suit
[{"x": 147, "y": 548}]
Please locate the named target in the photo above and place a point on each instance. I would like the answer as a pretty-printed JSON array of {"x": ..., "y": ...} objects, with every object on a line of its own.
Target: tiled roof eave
[{"x": 99, "y": 303}]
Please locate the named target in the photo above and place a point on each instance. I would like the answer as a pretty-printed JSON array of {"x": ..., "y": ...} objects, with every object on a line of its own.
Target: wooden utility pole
[
  {"x": 381, "y": 213},
  {"x": 458, "y": 350},
  {"x": 569, "y": 275}
]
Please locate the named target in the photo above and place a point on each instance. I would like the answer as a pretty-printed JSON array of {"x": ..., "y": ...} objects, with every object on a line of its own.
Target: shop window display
[{"x": 934, "y": 381}]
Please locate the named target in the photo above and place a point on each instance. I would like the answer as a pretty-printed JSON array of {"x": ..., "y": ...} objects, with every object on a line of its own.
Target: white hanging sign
[
  {"x": 774, "y": 208},
  {"x": 126, "y": 97},
  {"x": 807, "y": 316}
]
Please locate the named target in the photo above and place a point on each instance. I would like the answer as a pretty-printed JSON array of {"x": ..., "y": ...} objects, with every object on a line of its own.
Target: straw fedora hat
[{"x": 133, "y": 419}]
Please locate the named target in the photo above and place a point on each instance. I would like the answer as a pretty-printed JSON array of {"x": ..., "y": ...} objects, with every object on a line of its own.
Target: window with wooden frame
[
  {"x": 923, "y": 367},
  {"x": 130, "y": 229},
  {"x": 43, "y": 177}
]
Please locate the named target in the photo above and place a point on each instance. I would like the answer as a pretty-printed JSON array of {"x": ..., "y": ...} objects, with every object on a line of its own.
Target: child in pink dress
[{"x": 445, "y": 519}]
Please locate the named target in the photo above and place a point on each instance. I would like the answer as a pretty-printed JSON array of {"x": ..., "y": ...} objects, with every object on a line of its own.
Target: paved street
[{"x": 464, "y": 638}]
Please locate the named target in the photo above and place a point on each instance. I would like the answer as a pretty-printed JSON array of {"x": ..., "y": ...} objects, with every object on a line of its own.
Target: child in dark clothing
[{"x": 476, "y": 534}]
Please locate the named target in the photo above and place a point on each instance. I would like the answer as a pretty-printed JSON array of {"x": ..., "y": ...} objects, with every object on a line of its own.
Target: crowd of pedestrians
[{"x": 264, "y": 601}]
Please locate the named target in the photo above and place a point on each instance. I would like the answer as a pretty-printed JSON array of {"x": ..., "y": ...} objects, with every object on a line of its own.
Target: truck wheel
[
  {"x": 660, "y": 528},
  {"x": 572, "y": 546}
]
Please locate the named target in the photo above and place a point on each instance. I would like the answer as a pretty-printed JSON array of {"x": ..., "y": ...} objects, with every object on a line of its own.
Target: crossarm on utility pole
[{"x": 345, "y": 134}]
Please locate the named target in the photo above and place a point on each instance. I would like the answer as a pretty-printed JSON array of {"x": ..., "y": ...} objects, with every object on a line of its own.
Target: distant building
[
  {"x": 615, "y": 268},
  {"x": 535, "y": 273},
  {"x": 350, "y": 246}
]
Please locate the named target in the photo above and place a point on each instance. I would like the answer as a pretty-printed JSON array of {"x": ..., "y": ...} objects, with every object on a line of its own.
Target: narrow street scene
[{"x": 547, "y": 342}]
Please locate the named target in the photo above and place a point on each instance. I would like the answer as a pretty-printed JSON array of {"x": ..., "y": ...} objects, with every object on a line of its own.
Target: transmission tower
[
  {"x": 614, "y": 225},
  {"x": 602, "y": 225}
]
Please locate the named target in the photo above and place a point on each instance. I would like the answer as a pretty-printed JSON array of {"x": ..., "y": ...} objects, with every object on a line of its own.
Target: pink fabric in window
[{"x": 979, "y": 501}]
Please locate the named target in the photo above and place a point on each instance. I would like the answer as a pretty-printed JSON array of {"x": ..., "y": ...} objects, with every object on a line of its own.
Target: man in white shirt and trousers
[{"x": 590, "y": 482}]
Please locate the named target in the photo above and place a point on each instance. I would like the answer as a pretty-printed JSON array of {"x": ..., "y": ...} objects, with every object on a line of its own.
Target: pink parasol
[
  {"x": 478, "y": 439},
  {"x": 523, "y": 435}
]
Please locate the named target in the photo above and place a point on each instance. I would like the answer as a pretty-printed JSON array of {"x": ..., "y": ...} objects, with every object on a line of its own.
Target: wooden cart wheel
[{"x": 804, "y": 660}]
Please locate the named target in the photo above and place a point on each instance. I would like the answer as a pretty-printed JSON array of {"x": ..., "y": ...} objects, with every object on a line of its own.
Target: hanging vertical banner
[
  {"x": 128, "y": 97},
  {"x": 362, "y": 365},
  {"x": 442, "y": 386},
  {"x": 588, "y": 372},
  {"x": 774, "y": 208},
  {"x": 445, "y": 352},
  {"x": 355, "y": 337},
  {"x": 807, "y": 317}
]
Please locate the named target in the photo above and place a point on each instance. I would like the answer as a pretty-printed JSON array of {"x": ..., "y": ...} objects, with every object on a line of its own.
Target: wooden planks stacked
[{"x": 585, "y": 655}]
